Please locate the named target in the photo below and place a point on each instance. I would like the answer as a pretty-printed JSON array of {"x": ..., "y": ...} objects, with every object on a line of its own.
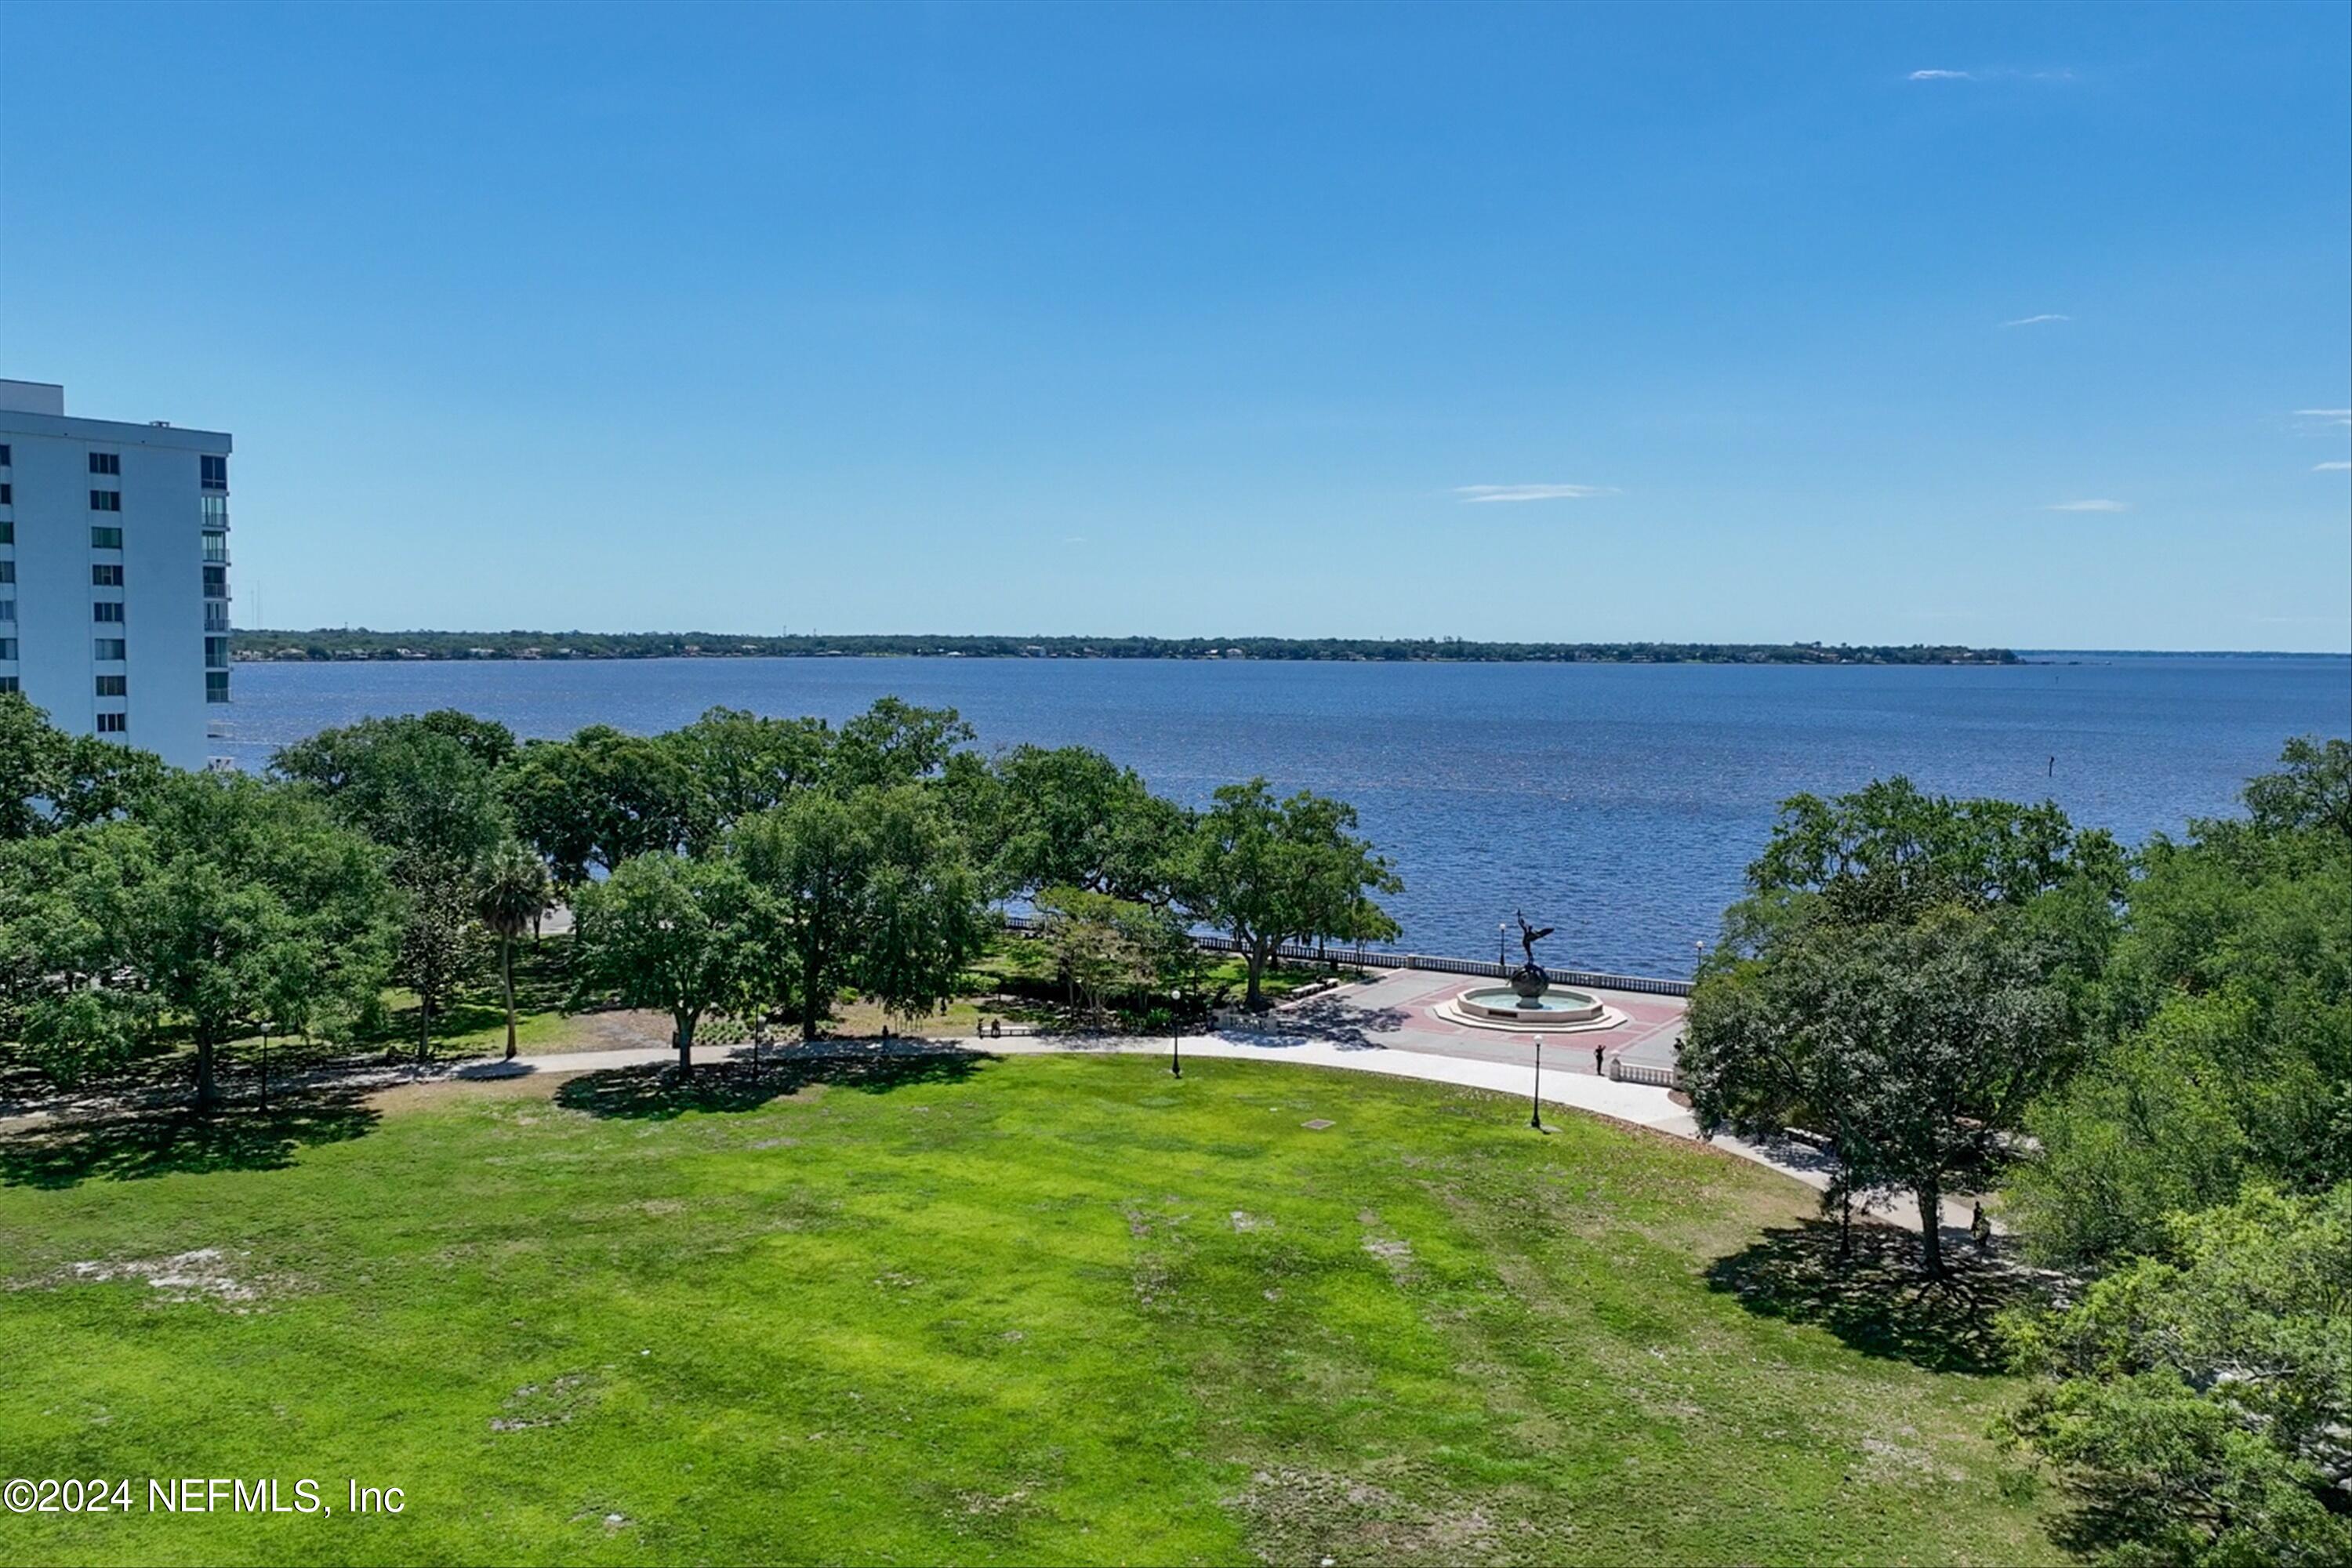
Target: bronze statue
[
  {"x": 1530, "y": 979},
  {"x": 1529, "y": 936}
]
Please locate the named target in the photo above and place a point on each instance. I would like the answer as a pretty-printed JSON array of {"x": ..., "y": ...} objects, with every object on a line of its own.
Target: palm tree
[{"x": 513, "y": 892}]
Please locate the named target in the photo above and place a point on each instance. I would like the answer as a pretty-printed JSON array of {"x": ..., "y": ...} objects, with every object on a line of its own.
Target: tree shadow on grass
[
  {"x": 240, "y": 1137},
  {"x": 1878, "y": 1301},
  {"x": 658, "y": 1093}
]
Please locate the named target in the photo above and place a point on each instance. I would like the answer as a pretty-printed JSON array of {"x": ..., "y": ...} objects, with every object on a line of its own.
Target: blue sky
[{"x": 2017, "y": 325}]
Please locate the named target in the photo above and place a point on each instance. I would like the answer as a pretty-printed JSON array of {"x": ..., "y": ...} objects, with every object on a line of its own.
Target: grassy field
[{"x": 976, "y": 1310}]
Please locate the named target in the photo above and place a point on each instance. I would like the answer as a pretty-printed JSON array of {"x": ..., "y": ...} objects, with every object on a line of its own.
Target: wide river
[{"x": 1620, "y": 803}]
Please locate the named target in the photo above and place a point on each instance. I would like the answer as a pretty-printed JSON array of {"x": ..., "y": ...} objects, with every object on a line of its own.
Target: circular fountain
[
  {"x": 1531, "y": 1002},
  {"x": 1553, "y": 1007},
  {"x": 1556, "y": 1010}
]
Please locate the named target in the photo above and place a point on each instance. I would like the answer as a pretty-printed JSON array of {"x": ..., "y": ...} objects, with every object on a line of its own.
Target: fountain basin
[{"x": 1557, "y": 1008}]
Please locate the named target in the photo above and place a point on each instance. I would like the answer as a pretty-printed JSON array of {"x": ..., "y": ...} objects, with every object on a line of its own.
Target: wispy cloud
[
  {"x": 2325, "y": 416},
  {"x": 2037, "y": 320},
  {"x": 2100, "y": 505},
  {"x": 2005, "y": 74},
  {"x": 2330, "y": 467},
  {"x": 1531, "y": 492}
]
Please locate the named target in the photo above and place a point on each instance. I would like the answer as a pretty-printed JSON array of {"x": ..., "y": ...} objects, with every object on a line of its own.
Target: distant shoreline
[{"x": 359, "y": 645}]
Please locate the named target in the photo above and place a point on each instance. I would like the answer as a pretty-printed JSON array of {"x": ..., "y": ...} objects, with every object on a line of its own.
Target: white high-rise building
[{"x": 113, "y": 572}]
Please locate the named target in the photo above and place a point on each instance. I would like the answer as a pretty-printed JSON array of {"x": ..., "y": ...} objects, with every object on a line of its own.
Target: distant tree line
[
  {"x": 2150, "y": 1056},
  {"x": 742, "y": 865},
  {"x": 358, "y": 643}
]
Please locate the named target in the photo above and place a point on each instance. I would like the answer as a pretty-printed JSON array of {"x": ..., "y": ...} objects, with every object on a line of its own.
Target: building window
[
  {"x": 216, "y": 582},
  {"x": 7, "y": 495},
  {"x": 8, "y": 683},
  {"x": 106, "y": 577},
  {"x": 106, "y": 610},
  {"x": 107, "y": 650},
  {"x": 106, "y": 500},
  {"x": 8, "y": 610},
  {"x": 217, "y": 686},
  {"x": 106, "y": 462},
  {"x": 7, "y": 533},
  {"x": 114, "y": 686},
  {"x": 216, "y": 548},
  {"x": 113, "y": 723},
  {"x": 7, "y": 647},
  {"x": 216, "y": 616},
  {"x": 106, "y": 538},
  {"x": 215, "y": 472},
  {"x": 3, "y": 457},
  {"x": 216, "y": 653},
  {"x": 8, "y": 571},
  {"x": 215, "y": 512}
]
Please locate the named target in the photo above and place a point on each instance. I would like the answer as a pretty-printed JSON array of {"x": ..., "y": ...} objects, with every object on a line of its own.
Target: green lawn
[{"x": 1018, "y": 1310}]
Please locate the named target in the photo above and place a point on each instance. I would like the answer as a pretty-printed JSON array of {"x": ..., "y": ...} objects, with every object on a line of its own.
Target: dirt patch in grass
[
  {"x": 1317, "y": 1516},
  {"x": 427, "y": 1096},
  {"x": 202, "y": 1274},
  {"x": 551, "y": 1403}
]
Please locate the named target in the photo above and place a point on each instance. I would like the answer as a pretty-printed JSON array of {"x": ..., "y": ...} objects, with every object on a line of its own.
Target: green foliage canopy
[
  {"x": 871, "y": 889},
  {"x": 2199, "y": 1405},
  {"x": 1271, "y": 871},
  {"x": 672, "y": 933}
]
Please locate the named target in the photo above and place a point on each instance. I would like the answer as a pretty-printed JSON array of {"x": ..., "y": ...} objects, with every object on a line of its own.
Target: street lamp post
[
  {"x": 1534, "y": 1101},
  {"x": 1500, "y": 929}
]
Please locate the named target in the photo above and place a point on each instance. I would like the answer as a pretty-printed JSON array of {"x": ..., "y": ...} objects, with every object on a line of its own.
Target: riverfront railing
[
  {"x": 1363, "y": 957},
  {"x": 1622, "y": 1071}
]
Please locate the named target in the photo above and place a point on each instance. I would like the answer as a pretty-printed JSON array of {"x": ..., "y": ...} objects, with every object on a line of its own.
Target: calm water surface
[{"x": 1619, "y": 803}]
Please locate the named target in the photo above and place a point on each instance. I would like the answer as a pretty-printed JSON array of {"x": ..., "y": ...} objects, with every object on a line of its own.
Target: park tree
[
  {"x": 598, "y": 798},
  {"x": 1270, "y": 871},
  {"x": 1952, "y": 1029},
  {"x": 671, "y": 933},
  {"x": 1914, "y": 1050},
  {"x": 895, "y": 742},
  {"x": 871, "y": 889},
  {"x": 50, "y": 780},
  {"x": 1759, "y": 1060},
  {"x": 2198, "y": 1405},
  {"x": 511, "y": 890},
  {"x": 1071, "y": 818},
  {"x": 1890, "y": 852},
  {"x": 1103, "y": 945},
  {"x": 2311, "y": 791},
  {"x": 354, "y": 756},
  {"x": 737, "y": 762},
  {"x": 2220, "y": 1052},
  {"x": 245, "y": 904},
  {"x": 424, "y": 790},
  {"x": 64, "y": 909}
]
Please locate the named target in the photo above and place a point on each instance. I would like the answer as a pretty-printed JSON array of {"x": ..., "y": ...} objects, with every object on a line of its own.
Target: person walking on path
[{"x": 1596, "y": 1059}]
